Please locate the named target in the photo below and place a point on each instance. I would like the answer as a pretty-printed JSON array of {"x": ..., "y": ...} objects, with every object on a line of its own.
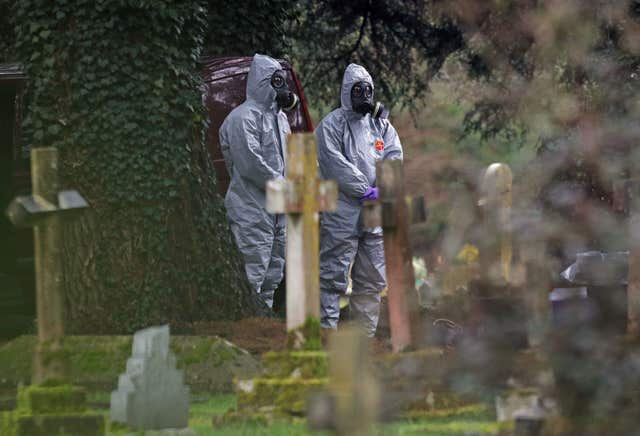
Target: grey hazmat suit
[
  {"x": 349, "y": 145},
  {"x": 253, "y": 142}
]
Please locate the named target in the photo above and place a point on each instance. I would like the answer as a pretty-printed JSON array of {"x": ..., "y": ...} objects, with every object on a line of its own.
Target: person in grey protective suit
[
  {"x": 351, "y": 139},
  {"x": 253, "y": 142}
]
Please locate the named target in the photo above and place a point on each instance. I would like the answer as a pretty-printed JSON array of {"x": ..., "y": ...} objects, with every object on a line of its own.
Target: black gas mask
[
  {"x": 286, "y": 99},
  {"x": 362, "y": 101}
]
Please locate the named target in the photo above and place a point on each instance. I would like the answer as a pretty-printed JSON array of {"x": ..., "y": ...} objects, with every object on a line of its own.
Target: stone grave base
[
  {"x": 412, "y": 382},
  {"x": 287, "y": 380},
  {"x": 283, "y": 388},
  {"x": 51, "y": 411},
  {"x": 417, "y": 382},
  {"x": 530, "y": 388}
]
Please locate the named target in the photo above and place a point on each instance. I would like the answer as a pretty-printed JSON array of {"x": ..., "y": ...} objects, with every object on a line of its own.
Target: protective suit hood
[
  {"x": 353, "y": 74},
  {"x": 259, "y": 87}
]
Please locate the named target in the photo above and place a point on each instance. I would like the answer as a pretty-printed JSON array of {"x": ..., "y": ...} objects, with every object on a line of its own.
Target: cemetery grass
[{"x": 456, "y": 422}]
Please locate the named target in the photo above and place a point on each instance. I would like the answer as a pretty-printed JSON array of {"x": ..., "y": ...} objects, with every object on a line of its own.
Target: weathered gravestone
[
  {"x": 46, "y": 211},
  {"x": 151, "y": 394},
  {"x": 496, "y": 202},
  {"x": 394, "y": 212},
  {"x": 351, "y": 404},
  {"x": 513, "y": 310},
  {"x": 289, "y": 377},
  {"x": 302, "y": 196},
  {"x": 499, "y": 310},
  {"x": 50, "y": 406}
]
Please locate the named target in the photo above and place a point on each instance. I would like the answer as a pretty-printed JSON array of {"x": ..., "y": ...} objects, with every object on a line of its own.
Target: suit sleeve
[
  {"x": 392, "y": 145},
  {"x": 246, "y": 154},
  {"x": 334, "y": 165}
]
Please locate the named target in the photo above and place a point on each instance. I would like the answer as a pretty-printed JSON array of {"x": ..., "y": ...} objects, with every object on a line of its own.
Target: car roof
[
  {"x": 11, "y": 71},
  {"x": 215, "y": 68}
]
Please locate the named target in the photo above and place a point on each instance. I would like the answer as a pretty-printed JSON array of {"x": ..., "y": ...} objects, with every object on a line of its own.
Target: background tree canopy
[
  {"x": 402, "y": 43},
  {"x": 246, "y": 27}
]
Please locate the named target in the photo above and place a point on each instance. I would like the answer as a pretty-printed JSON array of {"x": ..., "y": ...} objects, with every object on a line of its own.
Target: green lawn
[{"x": 472, "y": 420}]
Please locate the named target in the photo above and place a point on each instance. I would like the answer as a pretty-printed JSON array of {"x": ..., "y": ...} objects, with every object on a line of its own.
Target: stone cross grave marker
[
  {"x": 302, "y": 196},
  {"x": 496, "y": 202},
  {"x": 46, "y": 210},
  {"x": 395, "y": 212}
]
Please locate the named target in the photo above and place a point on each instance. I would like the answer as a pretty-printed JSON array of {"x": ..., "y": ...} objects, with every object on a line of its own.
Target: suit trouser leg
[
  {"x": 368, "y": 277},
  {"x": 336, "y": 256}
]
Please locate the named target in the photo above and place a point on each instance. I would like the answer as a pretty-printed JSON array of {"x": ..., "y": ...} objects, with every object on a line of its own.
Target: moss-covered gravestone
[{"x": 51, "y": 406}]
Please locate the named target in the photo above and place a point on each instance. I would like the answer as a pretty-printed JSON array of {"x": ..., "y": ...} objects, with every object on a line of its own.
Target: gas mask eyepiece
[
  {"x": 362, "y": 101},
  {"x": 286, "y": 99}
]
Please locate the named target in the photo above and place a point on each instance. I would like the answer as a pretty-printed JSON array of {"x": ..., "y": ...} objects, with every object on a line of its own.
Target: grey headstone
[
  {"x": 527, "y": 404},
  {"x": 151, "y": 394}
]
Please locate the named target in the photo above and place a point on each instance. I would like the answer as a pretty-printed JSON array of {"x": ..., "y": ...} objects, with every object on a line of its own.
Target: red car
[{"x": 225, "y": 82}]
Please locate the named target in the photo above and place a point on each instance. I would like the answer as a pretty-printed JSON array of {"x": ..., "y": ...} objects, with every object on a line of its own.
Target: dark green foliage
[
  {"x": 401, "y": 43},
  {"x": 245, "y": 27},
  {"x": 7, "y": 36},
  {"x": 113, "y": 84},
  {"x": 489, "y": 119}
]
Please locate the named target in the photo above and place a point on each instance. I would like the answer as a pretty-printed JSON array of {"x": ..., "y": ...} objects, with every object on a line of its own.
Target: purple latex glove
[{"x": 370, "y": 194}]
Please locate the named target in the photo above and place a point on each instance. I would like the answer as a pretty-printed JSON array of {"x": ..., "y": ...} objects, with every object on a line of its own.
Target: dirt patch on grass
[
  {"x": 256, "y": 335},
  {"x": 259, "y": 335}
]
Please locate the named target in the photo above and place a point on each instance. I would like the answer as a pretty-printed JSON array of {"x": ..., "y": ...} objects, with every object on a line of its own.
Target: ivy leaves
[
  {"x": 114, "y": 85},
  {"x": 122, "y": 73}
]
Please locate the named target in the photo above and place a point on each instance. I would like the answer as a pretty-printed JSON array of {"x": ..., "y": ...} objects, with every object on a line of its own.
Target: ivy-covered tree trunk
[{"x": 113, "y": 85}]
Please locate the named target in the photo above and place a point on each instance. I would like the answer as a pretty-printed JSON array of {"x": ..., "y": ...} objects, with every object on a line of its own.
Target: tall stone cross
[
  {"x": 46, "y": 210},
  {"x": 395, "y": 212},
  {"x": 302, "y": 196}
]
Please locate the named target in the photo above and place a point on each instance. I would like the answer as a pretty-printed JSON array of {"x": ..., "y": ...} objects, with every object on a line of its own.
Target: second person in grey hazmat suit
[
  {"x": 351, "y": 139},
  {"x": 253, "y": 142}
]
